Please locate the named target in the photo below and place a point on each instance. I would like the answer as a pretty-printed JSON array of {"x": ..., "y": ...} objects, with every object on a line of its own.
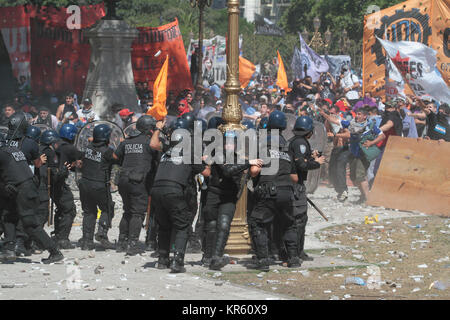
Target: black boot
[
  {"x": 134, "y": 248},
  {"x": 8, "y": 255},
  {"x": 177, "y": 265},
  {"x": 206, "y": 261},
  {"x": 87, "y": 245},
  {"x": 55, "y": 256},
  {"x": 217, "y": 263},
  {"x": 294, "y": 262},
  {"x": 150, "y": 246},
  {"x": 64, "y": 244},
  {"x": 102, "y": 237},
  {"x": 20, "y": 248},
  {"x": 122, "y": 244},
  {"x": 163, "y": 262},
  {"x": 262, "y": 265},
  {"x": 305, "y": 257}
]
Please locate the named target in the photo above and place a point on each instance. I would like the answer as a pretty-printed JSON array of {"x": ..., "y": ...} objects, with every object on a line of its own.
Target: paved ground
[{"x": 111, "y": 275}]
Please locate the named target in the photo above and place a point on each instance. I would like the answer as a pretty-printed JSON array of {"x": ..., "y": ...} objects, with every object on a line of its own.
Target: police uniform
[
  {"x": 301, "y": 149},
  {"x": 136, "y": 157},
  {"x": 219, "y": 208},
  {"x": 61, "y": 194},
  {"x": 22, "y": 202},
  {"x": 171, "y": 209},
  {"x": 95, "y": 190},
  {"x": 276, "y": 198},
  {"x": 30, "y": 149}
]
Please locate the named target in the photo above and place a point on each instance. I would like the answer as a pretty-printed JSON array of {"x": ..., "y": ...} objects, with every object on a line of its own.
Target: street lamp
[
  {"x": 316, "y": 23},
  {"x": 327, "y": 39},
  {"x": 316, "y": 41},
  {"x": 305, "y": 34},
  {"x": 201, "y": 4}
]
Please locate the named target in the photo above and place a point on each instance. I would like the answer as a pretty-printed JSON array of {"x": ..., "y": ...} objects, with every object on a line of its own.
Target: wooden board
[{"x": 414, "y": 175}]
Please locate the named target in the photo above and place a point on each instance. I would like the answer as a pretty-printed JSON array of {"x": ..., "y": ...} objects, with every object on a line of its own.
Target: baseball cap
[
  {"x": 219, "y": 102},
  {"x": 125, "y": 112}
]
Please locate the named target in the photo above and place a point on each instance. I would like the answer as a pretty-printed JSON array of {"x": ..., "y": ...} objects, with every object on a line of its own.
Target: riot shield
[
  {"x": 213, "y": 114},
  {"x": 82, "y": 138},
  {"x": 131, "y": 131},
  {"x": 290, "y": 120},
  {"x": 82, "y": 141},
  {"x": 318, "y": 142}
]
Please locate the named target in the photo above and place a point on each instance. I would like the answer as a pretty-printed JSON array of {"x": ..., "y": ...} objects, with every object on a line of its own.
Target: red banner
[
  {"x": 15, "y": 29},
  {"x": 60, "y": 59},
  {"x": 149, "y": 53}
]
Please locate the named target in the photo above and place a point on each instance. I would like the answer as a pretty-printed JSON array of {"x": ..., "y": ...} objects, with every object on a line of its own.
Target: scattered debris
[
  {"x": 355, "y": 280},
  {"x": 440, "y": 285}
]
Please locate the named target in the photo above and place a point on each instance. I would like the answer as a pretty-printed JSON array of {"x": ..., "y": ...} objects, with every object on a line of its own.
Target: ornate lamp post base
[{"x": 238, "y": 242}]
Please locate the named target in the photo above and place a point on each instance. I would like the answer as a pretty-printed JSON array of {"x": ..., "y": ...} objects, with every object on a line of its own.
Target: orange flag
[
  {"x": 246, "y": 70},
  {"x": 159, "y": 110},
  {"x": 282, "y": 81}
]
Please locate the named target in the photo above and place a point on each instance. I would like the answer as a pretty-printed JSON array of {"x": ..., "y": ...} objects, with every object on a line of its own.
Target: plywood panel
[{"x": 414, "y": 175}]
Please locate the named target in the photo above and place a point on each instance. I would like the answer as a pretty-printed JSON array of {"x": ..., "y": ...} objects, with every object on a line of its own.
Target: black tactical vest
[
  {"x": 303, "y": 174},
  {"x": 283, "y": 156},
  {"x": 137, "y": 154},
  {"x": 14, "y": 167},
  {"x": 173, "y": 169},
  {"x": 95, "y": 166}
]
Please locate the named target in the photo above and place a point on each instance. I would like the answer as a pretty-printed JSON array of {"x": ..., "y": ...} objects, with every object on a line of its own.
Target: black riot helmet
[
  {"x": 215, "y": 122},
  {"x": 190, "y": 118},
  {"x": 17, "y": 126},
  {"x": 145, "y": 123},
  {"x": 102, "y": 133},
  {"x": 181, "y": 124},
  {"x": 49, "y": 137},
  {"x": 304, "y": 123},
  {"x": 33, "y": 133},
  {"x": 277, "y": 120}
]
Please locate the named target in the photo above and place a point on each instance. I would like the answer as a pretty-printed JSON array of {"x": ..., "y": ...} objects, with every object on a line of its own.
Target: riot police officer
[
  {"x": 21, "y": 203},
  {"x": 95, "y": 189},
  {"x": 275, "y": 198},
  {"x": 224, "y": 187},
  {"x": 305, "y": 160},
  {"x": 137, "y": 159},
  {"x": 168, "y": 195},
  {"x": 33, "y": 133},
  {"x": 67, "y": 156},
  {"x": 47, "y": 143},
  {"x": 22, "y": 136}
]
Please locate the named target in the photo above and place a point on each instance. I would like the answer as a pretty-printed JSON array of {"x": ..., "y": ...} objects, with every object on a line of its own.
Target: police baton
[
  {"x": 50, "y": 201},
  {"x": 147, "y": 216},
  {"x": 317, "y": 208}
]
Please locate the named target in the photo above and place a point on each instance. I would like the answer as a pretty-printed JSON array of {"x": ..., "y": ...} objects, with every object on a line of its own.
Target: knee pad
[
  {"x": 30, "y": 222},
  {"x": 224, "y": 222},
  {"x": 211, "y": 225}
]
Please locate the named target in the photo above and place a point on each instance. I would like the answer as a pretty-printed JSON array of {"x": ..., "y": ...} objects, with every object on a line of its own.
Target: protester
[{"x": 87, "y": 114}]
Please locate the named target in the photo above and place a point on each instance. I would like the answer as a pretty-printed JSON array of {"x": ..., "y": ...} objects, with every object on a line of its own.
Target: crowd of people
[{"x": 157, "y": 187}]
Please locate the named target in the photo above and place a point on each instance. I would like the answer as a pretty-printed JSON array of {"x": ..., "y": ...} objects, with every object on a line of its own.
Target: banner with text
[
  {"x": 417, "y": 65},
  {"x": 60, "y": 56},
  {"x": 149, "y": 53},
  {"x": 15, "y": 29},
  {"x": 423, "y": 21}
]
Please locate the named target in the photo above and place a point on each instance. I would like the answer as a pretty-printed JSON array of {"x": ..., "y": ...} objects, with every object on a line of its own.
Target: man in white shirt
[
  {"x": 87, "y": 114},
  {"x": 349, "y": 82}
]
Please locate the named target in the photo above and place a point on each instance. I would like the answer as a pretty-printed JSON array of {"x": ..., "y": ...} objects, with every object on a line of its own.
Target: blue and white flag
[
  {"x": 416, "y": 63},
  {"x": 314, "y": 63}
]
